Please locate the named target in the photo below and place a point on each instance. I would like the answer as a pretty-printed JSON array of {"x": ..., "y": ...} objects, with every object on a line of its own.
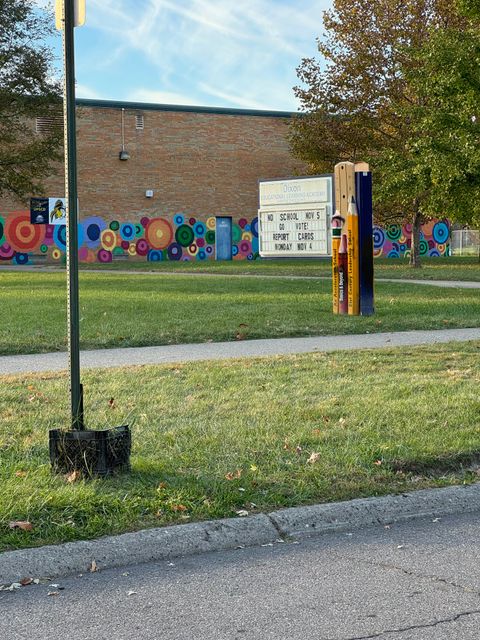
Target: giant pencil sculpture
[
  {"x": 353, "y": 263},
  {"x": 337, "y": 222},
  {"x": 343, "y": 277}
]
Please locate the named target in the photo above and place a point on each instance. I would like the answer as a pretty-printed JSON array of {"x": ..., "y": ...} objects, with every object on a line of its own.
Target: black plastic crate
[{"x": 95, "y": 453}]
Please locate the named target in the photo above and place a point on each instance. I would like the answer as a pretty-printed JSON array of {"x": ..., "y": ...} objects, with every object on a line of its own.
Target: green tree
[
  {"x": 27, "y": 90},
  {"x": 361, "y": 105}
]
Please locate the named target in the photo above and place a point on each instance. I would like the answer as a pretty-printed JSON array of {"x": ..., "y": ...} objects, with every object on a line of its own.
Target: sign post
[
  {"x": 68, "y": 23},
  {"x": 94, "y": 452}
]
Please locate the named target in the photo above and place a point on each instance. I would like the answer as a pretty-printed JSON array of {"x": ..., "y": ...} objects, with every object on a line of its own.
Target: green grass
[
  {"x": 134, "y": 310},
  {"x": 381, "y": 421},
  {"x": 460, "y": 268}
]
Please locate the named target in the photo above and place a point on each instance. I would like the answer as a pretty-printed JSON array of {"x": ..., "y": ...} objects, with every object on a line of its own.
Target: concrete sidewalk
[{"x": 107, "y": 358}]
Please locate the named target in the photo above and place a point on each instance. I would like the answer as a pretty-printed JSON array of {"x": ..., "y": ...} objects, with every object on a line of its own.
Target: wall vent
[
  {"x": 47, "y": 125},
  {"x": 139, "y": 122}
]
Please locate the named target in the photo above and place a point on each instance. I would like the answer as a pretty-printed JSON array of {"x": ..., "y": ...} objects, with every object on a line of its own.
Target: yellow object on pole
[
  {"x": 79, "y": 13},
  {"x": 353, "y": 259}
]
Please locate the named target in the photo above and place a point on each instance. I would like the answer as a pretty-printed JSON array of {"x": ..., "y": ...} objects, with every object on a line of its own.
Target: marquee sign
[{"x": 294, "y": 217}]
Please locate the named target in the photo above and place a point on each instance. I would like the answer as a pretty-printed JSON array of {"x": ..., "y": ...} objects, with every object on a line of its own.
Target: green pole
[{"x": 72, "y": 216}]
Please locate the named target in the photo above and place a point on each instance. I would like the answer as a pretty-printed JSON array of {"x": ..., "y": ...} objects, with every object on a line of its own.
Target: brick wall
[{"x": 199, "y": 163}]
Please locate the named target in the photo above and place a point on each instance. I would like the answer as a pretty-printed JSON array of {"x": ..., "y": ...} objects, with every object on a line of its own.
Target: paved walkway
[
  {"x": 450, "y": 284},
  {"x": 106, "y": 358}
]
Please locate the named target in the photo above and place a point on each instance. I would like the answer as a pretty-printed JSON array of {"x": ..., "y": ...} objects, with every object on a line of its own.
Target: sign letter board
[{"x": 294, "y": 217}]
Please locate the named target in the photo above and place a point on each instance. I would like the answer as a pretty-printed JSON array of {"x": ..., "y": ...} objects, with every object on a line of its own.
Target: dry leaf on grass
[
  {"x": 232, "y": 475},
  {"x": 20, "y": 474},
  {"x": 111, "y": 403},
  {"x": 24, "y": 525},
  {"x": 178, "y": 507},
  {"x": 378, "y": 463},
  {"x": 314, "y": 457},
  {"x": 93, "y": 567},
  {"x": 242, "y": 513},
  {"x": 73, "y": 476}
]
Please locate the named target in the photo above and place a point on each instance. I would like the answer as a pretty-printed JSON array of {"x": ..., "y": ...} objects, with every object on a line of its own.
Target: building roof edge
[{"x": 149, "y": 106}]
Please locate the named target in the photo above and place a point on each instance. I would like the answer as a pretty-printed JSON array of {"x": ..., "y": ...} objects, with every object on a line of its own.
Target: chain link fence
[{"x": 465, "y": 242}]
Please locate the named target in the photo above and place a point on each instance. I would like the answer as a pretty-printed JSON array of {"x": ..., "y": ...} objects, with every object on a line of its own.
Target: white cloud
[
  {"x": 83, "y": 91},
  {"x": 160, "y": 97},
  {"x": 243, "y": 52}
]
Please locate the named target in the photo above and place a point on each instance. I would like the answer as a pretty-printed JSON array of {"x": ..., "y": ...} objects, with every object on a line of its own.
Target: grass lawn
[
  {"x": 213, "y": 438},
  {"x": 459, "y": 268},
  {"x": 132, "y": 310}
]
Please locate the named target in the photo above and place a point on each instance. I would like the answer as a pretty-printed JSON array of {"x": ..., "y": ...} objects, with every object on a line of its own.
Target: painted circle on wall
[
  {"x": 250, "y": 256},
  {"x": 60, "y": 236},
  {"x": 93, "y": 228},
  {"x": 132, "y": 250},
  {"x": 201, "y": 255},
  {"x": 6, "y": 251},
  {"x": 175, "y": 251},
  {"x": 423, "y": 247},
  {"x": 155, "y": 256},
  {"x": 191, "y": 221},
  {"x": 104, "y": 256},
  {"x": 124, "y": 245},
  {"x": 200, "y": 242},
  {"x": 138, "y": 230},
  {"x": 210, "y": 237},
  {"x": 142, "y": 247},
  {"x": 393, "y": 254},
  {"x": 441, "y": 248},
  {"x": 234, "y": 250},
  {"x": 144, "y": 221},
  {"x": 56, "y": 254},
  {"x": 2, "y": 227},
  {"x": 254, "y": 227},
  {"x": 434, "y": 253},
  {"x": 118, "y": 251},
  {"x": 49, "y": 229},
  {"x": 21, "y": 235},
  {"x": 431, "y": 244},
  {"x": 158, "y": 233},
  {"x": 83, "y": 254},
  {"x": 109, "y": 240},
  {"x": 127, "y": 231},
  {"x": 236, "y": 233},
  {"x": 378, "y": 253},
  {"x": 192, "y": 249},
  {"x": 378, "y": 237},
  {"x": 242, "y": 222},
  {"x": 114, "y": 225},
  {"x": 21, "y": 258},
  {"x": 394, "y": 231},
  {"x": 440, "y": 233},
  {"x": 246, "y": 235},
  {"x": 245, "y": 247},
  {"x": 200, "y": 229},
  {"x": 427, "y": 227},
  {"x": 184, "y": 235},
  {"x": 211, "y": 223},
  {"x": 178, "y": 219},
  {"x": 209, "y": 250}
]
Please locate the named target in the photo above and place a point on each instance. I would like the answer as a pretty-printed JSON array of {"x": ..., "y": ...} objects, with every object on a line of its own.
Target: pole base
[{"x": 93, "y": 452}]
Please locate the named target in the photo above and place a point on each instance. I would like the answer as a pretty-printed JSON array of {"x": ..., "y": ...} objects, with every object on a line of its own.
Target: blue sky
[{"x": 230, "y": 53}]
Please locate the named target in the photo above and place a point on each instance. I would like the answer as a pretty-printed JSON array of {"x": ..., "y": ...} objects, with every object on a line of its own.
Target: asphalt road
[{"x": 418, "y": 581}]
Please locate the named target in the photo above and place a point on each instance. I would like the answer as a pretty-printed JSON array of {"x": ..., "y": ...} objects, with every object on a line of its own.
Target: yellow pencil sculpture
[{"x": 353, "y": 263}]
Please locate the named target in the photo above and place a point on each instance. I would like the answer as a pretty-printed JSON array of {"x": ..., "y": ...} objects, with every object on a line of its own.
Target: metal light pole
[{"x": 71, "y": 194}]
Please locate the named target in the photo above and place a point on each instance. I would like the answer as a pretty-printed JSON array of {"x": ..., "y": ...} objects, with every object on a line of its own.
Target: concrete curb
[{"x": 216, "y": 535}]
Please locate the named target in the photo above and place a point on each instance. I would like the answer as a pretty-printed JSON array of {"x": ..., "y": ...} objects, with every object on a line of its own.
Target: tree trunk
[{"x": 415, "y": 261}]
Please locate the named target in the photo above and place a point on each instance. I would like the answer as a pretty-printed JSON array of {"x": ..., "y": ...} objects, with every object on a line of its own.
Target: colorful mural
[
  {"x": 395, "y": 240},
  {"x": 181, "y": 238}
]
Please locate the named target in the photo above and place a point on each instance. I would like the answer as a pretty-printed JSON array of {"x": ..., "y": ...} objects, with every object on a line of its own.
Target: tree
[
  {"x": 447, "y": 83},
  {"x": 362, "y": 106},
  {"x": 27, "y": 90}
]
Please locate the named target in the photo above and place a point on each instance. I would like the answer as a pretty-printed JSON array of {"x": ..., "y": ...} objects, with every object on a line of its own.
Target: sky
[{"x": 224, "y": 53}]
